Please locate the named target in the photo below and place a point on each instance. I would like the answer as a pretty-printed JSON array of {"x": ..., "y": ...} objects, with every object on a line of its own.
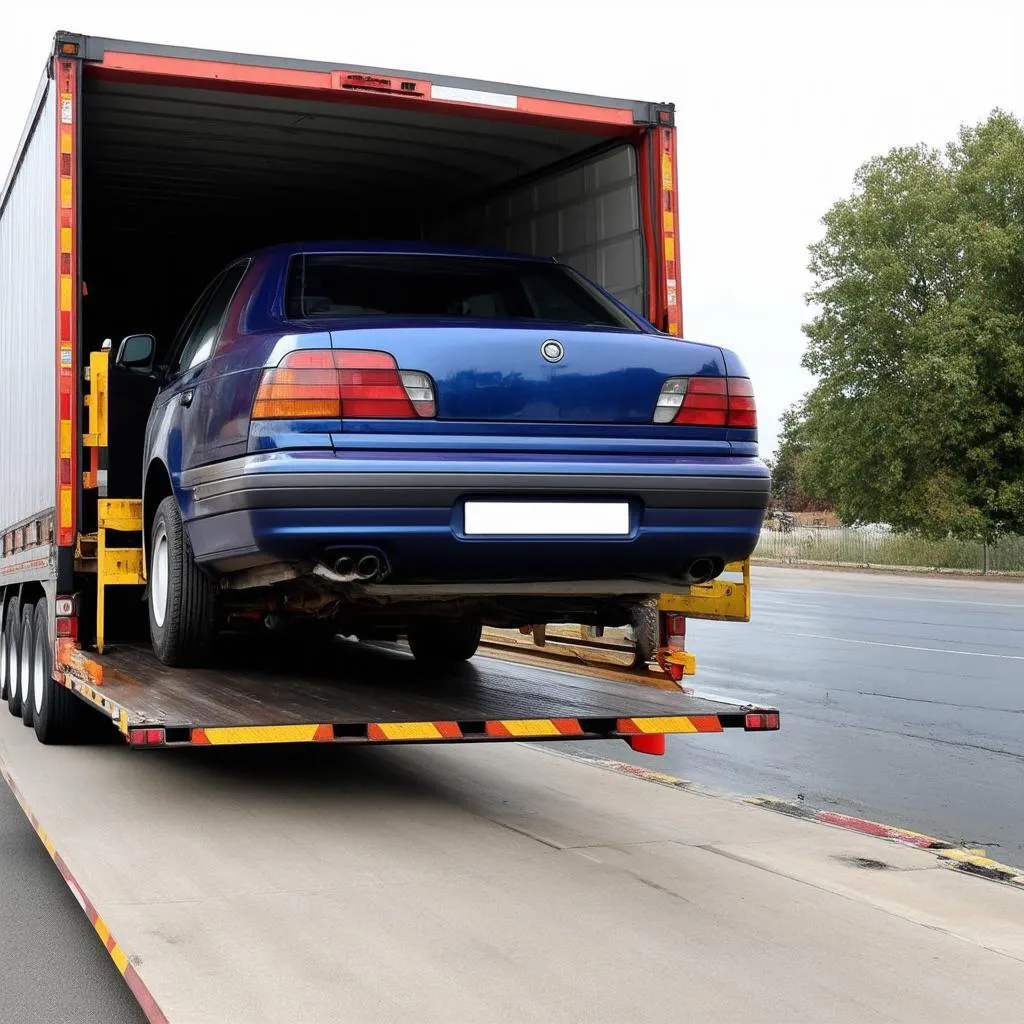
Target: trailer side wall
[{"x": 28, "y": 327}]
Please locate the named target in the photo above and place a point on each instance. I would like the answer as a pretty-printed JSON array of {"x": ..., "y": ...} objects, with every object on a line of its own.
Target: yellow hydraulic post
[{"x": 115, "y": 566}]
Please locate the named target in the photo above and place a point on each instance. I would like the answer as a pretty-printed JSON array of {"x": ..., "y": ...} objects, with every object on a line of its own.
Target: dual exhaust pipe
[
  {"x": 356, "y": 567},
  {"x": 361, "y": 567}
]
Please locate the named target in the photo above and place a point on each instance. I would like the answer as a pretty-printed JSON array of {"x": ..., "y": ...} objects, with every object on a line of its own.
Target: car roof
[{"x": 396, "y": 249}]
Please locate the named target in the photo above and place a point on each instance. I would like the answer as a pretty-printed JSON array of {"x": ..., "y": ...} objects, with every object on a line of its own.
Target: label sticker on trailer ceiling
[{"x": 489, "y": 99}]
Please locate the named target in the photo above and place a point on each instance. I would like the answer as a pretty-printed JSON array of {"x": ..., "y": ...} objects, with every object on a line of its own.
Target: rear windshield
[{"x": 332, "y": 285}]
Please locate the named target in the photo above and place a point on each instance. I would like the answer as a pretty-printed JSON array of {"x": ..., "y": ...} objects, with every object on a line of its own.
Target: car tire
[
  {"x": 182, "y": 598},
  {"x": 444, "y": 642},
  {"x": 644, "y": 620},
  {"x": 26, "y": 649},
  {"x": 11, "y": 648},
  {"x": 58, "y": 716}
]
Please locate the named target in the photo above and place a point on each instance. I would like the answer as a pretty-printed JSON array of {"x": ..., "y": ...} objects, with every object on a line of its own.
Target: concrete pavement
[{"x": 503, "y": 883}]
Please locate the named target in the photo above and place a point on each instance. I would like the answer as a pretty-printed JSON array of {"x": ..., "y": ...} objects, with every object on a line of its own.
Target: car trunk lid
[{"x": 552, "y": 374}]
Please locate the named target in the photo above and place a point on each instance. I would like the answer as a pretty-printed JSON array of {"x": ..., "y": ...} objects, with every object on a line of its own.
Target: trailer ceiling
[{"x": 171, "y": 158}]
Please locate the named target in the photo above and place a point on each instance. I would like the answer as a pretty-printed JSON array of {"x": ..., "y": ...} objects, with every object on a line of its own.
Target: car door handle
[{"x": 185, "y": 398}]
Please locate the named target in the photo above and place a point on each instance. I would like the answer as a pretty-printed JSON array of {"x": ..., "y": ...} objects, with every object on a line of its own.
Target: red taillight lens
[
  {"x": 707, "y": 402},
  {"x": 742, "y": 410},
  {"x": 335, "y": 384},
  {"x": 761, "y": 721},
  {"x": 371, "y": 387}
]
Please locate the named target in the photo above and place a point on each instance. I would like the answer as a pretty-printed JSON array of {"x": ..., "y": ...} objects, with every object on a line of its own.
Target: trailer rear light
[
  {"x": 146, "y": 737},
  {"x": 760, "y": 721},
  {"x": 707, "y": 402},
  {"x": 65, "y": 607},
  {"x": 675, "y": 631},
  {"x": 339, "y": 384}
]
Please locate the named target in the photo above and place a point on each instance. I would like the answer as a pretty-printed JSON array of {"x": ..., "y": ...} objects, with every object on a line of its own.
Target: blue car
[{"x": 404, "y": 440}]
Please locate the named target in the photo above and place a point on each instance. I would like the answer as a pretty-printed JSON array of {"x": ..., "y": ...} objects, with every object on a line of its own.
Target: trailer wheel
[
  {"x": 58, "y": 715},
  {"x": 3, "y": 652},
  {"x": 182, "y": 598},
  {"x": 444, "y": 642},
  {"x": 11, "y": 648},
  {"x": 26, "y": 651}
]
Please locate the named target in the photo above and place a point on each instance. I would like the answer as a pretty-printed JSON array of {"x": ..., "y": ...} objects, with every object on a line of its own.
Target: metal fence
[{"x": 883, "y": 548}]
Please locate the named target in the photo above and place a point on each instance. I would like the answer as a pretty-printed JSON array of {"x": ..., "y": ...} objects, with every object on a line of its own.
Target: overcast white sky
[{"x": 777, "y": 105}]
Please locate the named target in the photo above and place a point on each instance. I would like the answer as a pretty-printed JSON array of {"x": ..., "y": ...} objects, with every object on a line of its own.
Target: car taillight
[
  {"x": 742, "y": 409},
  {"x": 707, "y": 402},
  {"x": 342, "y": 383}
]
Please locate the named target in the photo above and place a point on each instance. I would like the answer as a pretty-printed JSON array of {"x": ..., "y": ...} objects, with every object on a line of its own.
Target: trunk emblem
[{"x": 552, "y": 350}]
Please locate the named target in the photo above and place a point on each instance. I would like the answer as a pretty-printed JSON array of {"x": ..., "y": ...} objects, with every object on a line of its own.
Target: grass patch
[{"x": 862, "y": 547}]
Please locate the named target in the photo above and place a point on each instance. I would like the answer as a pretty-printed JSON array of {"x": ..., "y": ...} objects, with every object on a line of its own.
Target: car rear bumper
[
  {"x": 430, "y": 480},
  {"x": 314, "y": 507}
]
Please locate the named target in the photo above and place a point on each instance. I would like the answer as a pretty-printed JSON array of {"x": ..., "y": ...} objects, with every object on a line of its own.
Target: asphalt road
[
  {"x": 902, "y": 701},
  {"x": 55, "y": 969}
]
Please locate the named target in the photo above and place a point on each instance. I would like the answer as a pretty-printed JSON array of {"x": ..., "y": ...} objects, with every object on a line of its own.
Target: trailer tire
[
  {"x": 444, "y": 642},
  {"x": 3, "y": 651},
  {"x": 26, "y": 649},
  {"x": 58, "y": 715},
  {"x": 11, "y": 648},
  {"x": 182, "y": 598}
]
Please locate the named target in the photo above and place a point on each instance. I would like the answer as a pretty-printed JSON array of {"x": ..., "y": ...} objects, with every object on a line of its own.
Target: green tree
[{"x": 917, "y": 418}]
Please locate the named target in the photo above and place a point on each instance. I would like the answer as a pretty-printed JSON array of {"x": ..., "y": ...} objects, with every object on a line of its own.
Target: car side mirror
[{"x": 136, "y": 353}]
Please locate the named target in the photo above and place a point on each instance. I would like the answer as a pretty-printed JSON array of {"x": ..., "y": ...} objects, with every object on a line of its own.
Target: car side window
[{"x": 197, "y": 345}]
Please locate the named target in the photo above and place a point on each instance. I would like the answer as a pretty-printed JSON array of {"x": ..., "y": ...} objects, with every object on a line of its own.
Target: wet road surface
[{"x": 902, "y": 700}]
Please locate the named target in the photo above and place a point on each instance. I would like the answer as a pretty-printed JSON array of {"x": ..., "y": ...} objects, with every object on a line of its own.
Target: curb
[
  {"x": 969, "y": 860},
  {"x": 122, "y": 961}
]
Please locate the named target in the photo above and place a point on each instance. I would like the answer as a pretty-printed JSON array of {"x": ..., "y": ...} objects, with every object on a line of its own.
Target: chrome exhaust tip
[
  {"x": 702, "y": 570},
  {"x": 368, "y": 567}
]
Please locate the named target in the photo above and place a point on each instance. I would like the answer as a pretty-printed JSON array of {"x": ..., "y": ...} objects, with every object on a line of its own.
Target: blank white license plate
[{"x": 547, "y": 518}]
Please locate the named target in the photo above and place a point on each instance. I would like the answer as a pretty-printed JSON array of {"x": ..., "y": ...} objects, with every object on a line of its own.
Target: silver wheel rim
[
  {"x": 25, "y": 671},
  {"x": 38, "y": 680},
  {"x": 159, "y": 576}
]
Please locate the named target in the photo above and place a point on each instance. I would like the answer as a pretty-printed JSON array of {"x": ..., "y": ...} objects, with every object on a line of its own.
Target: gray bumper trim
[{"x": 237, "y": 491}]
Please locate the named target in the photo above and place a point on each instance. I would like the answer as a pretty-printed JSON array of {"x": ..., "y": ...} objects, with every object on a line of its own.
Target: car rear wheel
[
  {"x": 444, "y": 642},
  {"x": 643, "y": 620},
  {"x": 10, "y": 652},
  {"x": 26, "y": 650},
  {"x": 182, "y": 598}
]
